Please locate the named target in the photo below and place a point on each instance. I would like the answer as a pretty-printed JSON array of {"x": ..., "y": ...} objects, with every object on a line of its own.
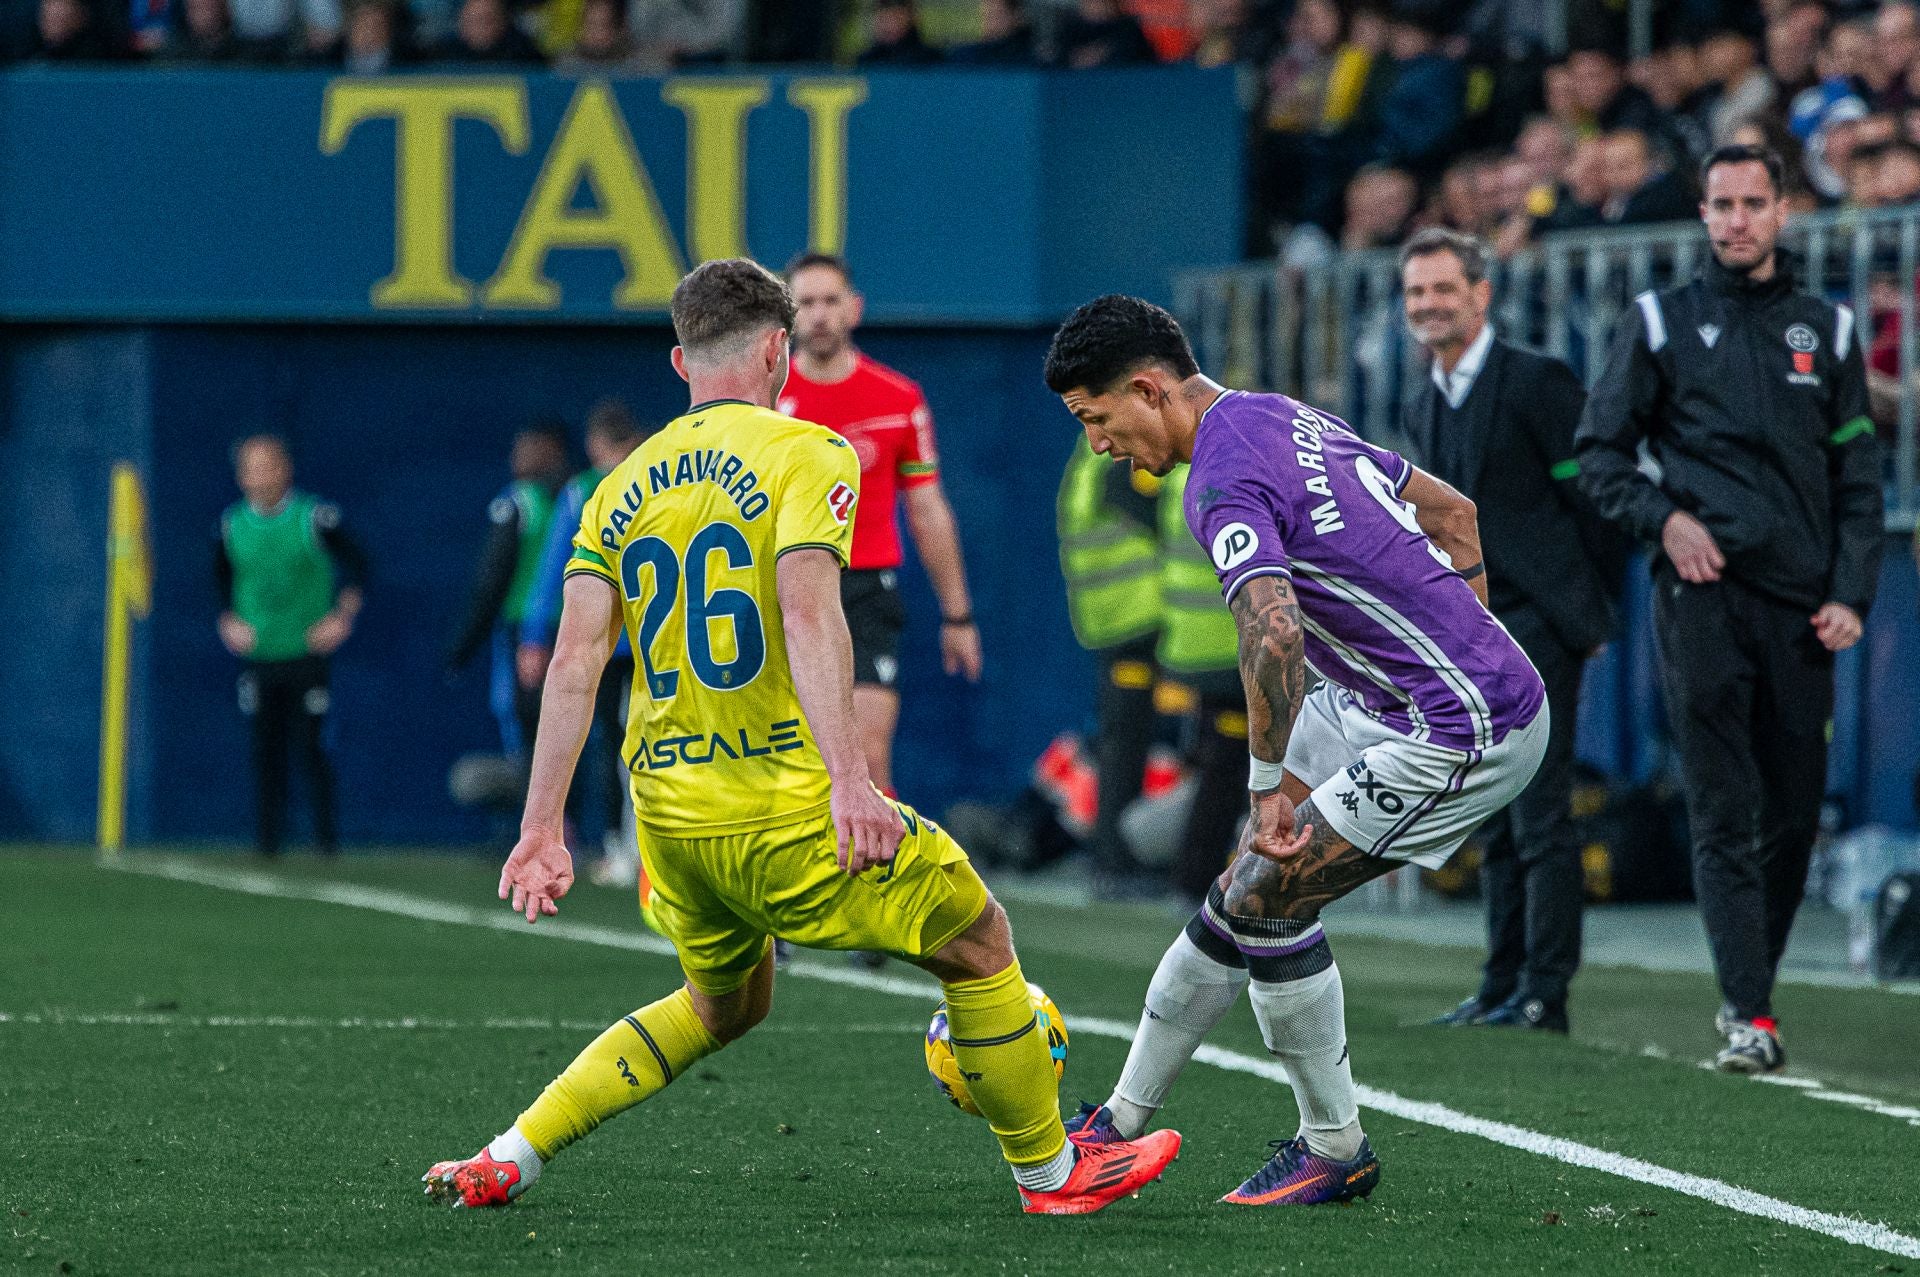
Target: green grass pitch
[{"x": 181, "y": 1096}]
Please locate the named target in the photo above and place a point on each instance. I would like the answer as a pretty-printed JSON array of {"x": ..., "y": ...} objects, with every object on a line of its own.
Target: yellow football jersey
[{"x": 688, "y": 529}]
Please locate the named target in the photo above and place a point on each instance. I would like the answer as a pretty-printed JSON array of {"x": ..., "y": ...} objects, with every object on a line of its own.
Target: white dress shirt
[{"x": 1456, "y": 385}]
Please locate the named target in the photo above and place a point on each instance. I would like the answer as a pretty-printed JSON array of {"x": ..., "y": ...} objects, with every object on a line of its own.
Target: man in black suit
[{"x": 1497, "y": 423}]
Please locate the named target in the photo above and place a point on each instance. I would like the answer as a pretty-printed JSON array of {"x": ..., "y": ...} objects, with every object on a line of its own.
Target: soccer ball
[{"x": 945, "y": 1070}]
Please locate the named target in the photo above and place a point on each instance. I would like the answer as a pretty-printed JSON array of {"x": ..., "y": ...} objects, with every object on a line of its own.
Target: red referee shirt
[{"x": 885, "y": 417}]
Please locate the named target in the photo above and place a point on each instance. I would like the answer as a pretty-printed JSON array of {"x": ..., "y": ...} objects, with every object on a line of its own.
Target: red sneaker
[
  {"x": 1104, "y": 1173},
  {"x": 475, "y": 1181}
]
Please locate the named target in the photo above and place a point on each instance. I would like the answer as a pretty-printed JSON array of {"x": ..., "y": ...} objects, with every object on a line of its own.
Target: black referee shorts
[{"x": 875, "y": 615}]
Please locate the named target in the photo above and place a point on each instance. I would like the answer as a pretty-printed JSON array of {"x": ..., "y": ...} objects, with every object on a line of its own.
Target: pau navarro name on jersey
[
  {"x": 711, "y": 747},
  {"x": 700, "y": 465}
]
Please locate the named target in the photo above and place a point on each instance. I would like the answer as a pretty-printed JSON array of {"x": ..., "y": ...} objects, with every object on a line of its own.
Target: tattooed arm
[
  {"x": 1273, "y": 664},
  {"x": 1273, "y": 667}
]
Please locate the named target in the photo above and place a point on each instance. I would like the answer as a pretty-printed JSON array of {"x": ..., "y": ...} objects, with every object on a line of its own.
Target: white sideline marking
[
  {"x": 1720, "y": 1193},
  {"x": 408, "y": 1023}
]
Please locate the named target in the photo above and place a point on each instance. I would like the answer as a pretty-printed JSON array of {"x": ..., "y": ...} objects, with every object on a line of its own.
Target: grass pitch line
[
  {"x": 1839, "y": 1227},
  {"x": 407, "y": 1023}
]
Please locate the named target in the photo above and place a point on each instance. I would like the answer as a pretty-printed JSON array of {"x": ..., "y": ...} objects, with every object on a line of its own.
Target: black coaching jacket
[
  {"x": 1546, "y": 546},
  {"x": 1752, "y": 399}
]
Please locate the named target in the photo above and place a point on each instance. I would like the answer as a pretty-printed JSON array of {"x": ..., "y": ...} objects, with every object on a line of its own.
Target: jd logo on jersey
[{"x": 1234, "y": 545}]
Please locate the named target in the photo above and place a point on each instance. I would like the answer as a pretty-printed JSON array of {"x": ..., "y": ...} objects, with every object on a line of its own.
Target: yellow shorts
[{"x": 720, "y": 899}]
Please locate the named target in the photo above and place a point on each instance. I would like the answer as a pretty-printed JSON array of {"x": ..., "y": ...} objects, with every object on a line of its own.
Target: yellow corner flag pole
[{"x": 129, "y": 595}]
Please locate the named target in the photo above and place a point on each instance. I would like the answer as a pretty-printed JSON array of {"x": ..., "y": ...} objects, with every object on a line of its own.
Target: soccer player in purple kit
[{"x": 1343, "y": 556}]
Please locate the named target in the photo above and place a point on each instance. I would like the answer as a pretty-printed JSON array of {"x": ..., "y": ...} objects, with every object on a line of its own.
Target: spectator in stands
[
  {"x": 1222, "y": 34},
  {"x": 1562, "y": 102},
  {"x": 1543, "y": 153},
  {"x": 1460, "y": 202},
  {"x": 676, "y": 33},
  {"x": 604, "y": 43},
  {"x": 205, "y": 35},
  {"x": 370, "y": 45},
  {"x": 1292, "y": 159},
  {"x": 1294, "y": 80},
  {"x": 1577, "y": 202},
  {"x": 1546, "y": 148},
  {"x": 1640, "y": 190},
  {"x": 1793, "y": 44},
  {"x": 896, "y": 38},
  {"x": 1741, "y": 86},
  {"x": 1381, "y": 201},
  {"x": 1896, "y": 49},
  {"x": 150, "y": 24},
  {"x": 279, "y": 26},
  {"x": 1006, "y": 38},
  {"x": 1676, "y": 82},
  {"x": 1421, "y": 112},
  {"x": 71, "y": 31},
  {"x": 1599, "y": 88},
  {"x": 1850, "y": 138},
  {"x": 484, "y": 33},
  {"x": 1508, "y": 192},
  {"x": 1769, "y": 132},
  {"x": 1839, "y": 98},
  {"x": 1100, "y": 33},
  {"x": 1884, "y": 175}
]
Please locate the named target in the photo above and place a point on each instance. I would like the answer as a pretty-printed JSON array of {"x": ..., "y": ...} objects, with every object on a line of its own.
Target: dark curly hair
[{"x": 1112, "y": 336}]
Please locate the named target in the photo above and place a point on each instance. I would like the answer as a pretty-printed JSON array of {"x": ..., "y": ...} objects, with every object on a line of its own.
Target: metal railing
[{"x": 1334, "y": 336}]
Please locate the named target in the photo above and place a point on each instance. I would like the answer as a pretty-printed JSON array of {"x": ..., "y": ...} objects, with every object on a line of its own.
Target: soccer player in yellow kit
[{"x": 719, "y": 544}]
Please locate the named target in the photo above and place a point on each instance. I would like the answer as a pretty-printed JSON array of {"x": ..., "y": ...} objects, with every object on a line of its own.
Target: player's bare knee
[{"x": 732, "y": 1016}]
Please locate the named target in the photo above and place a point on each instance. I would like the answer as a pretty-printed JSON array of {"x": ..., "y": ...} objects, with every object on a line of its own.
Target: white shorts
[{"x": 1399, "y": 798}]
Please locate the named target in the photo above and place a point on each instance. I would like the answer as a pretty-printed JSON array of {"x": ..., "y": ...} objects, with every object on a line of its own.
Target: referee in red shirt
[{"x": 885, "y": 417}]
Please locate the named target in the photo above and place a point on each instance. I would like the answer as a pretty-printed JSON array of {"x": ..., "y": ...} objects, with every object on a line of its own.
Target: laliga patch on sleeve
[
  {"x": 1234, "y": 545},
  {"x": 840, "y": 502}
]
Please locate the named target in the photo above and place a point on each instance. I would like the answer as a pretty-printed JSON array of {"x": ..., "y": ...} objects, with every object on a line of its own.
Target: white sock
[
  {"x": 1186, "y": 998},
  {"x": 511, "y": 1146},
  {"x": 1049, "y": 1176},
  {"x": 1304, "y": 1024}
]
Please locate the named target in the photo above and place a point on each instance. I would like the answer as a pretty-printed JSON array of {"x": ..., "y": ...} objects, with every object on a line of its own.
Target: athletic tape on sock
[{"x": 1280, "y": 949}]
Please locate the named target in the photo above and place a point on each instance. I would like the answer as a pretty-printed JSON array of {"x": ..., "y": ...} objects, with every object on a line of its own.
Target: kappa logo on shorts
[
  {"x": 840, "y": 502},
  {"x": 1234, "y": 545}
]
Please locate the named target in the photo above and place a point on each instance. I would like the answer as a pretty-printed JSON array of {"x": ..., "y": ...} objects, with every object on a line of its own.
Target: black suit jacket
[{"x": 1543, "y": 539}]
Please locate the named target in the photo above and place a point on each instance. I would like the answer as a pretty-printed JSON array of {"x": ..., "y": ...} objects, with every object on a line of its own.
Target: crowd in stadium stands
[{"x": 1370, "y": 118}]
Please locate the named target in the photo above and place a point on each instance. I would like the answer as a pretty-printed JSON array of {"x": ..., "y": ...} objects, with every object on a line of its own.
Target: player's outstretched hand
[
  {"x": 1270, "y": 831},
  {"x": 537, "y": 874},
  {"x": 1838, "y": 627},
  {"x": 867, "y": 825}
]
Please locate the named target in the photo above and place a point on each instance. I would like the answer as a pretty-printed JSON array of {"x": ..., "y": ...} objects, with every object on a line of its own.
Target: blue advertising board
[{"x": 972, "y": 198}]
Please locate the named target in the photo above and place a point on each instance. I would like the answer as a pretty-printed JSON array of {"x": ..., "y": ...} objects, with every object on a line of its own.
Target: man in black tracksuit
[{"x": 1751, "y": 397}]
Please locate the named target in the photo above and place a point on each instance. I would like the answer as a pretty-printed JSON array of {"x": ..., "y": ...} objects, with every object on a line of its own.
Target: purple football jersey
[{"x": 1280, "y": 489}]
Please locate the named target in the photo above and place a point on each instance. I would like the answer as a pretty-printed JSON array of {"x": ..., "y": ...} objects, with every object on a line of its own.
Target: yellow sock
[
  {"x": 631, "y": 1061},
  {"x": 1009, "y": 1070}
]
